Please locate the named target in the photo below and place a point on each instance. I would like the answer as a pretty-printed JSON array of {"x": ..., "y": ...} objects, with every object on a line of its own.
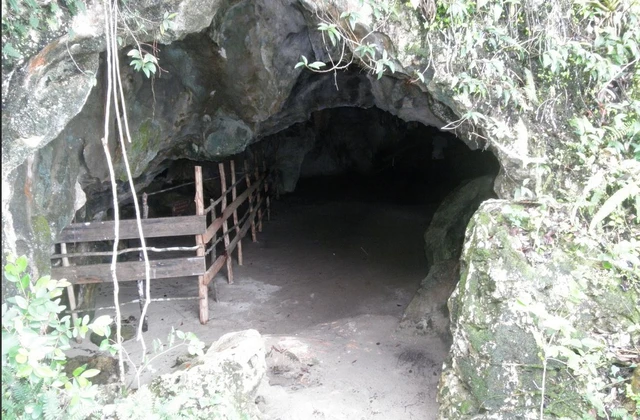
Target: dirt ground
[{"x": 328, "y": 279}]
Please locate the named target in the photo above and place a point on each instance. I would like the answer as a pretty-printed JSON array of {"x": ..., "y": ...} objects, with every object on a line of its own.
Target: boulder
[
  {"x": 513, "y": 302},
  {"x": 221, "y": 384}
]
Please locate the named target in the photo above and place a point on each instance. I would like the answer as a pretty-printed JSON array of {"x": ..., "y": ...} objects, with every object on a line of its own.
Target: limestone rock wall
[{"x": 513, "y": 288}]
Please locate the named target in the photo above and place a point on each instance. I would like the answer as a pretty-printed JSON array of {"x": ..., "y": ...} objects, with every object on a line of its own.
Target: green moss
[
  {"x": 41, "y": 229},
  {"x": 466, "y": 407},
  {"x": 42, "y": 239},
  {"x": 142, "y": 149}
]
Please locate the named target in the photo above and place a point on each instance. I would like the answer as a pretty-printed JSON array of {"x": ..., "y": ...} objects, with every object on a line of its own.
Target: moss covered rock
[{"x": 520, "y": 310}]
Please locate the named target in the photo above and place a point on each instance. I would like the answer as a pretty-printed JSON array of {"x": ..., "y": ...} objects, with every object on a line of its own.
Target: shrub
[{"x": 34, "y": 337}]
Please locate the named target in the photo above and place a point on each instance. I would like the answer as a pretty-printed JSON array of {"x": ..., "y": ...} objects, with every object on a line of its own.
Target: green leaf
[
  {"x": 102, "y": 321},
  {"x": 90, "y": 373},
  {"x": 21, "y": 263},
  {"x": 180, "y": 334},
  {"x": 629, "y": 190},
  {"x": 316, "y": 65},
  {"x": 14, "y": 5},
  {"x": 78, "y": 371},
  {"x": 150, "y": 58},
  {"x": 43, "y": 371},
  {"x": 391, "y": 66},
  {"x": 23, "y": 370},
  {"x": 591, "y": 344},
  {"x": 134, "y": 53},
  {"x": 21, "y": 302},
  {"x": 83, "y": 382},
  {"x": 21, "y": 358},
  {"x": 43, "y": 282},
  {"x": 104, "y": 344}
]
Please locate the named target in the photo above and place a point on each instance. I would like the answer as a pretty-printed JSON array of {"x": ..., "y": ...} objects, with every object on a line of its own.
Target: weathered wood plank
[
  {"x": 228, "y": 211},
  {"x": 215, "y": 268},
  {"x": 152, "y": 228},
  {"x": 244, "y": 229},
  {"x": 202, "y": 286},
  {"x": 132, "y": 270},
  {"x": 225, "y": 228},
  {"x": 248, "y": 179}
]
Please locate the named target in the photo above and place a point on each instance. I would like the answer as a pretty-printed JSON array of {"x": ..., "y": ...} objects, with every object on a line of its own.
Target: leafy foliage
[
  {"x": 25, "y": 21},
  {"x": 34, "y": 338},
  {"x": 143, "y": 61},
  {"x": 586, "y": 358}
]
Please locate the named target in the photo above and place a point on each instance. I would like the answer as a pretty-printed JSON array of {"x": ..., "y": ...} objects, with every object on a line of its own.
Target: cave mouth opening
[
  {"x": 360, "y": 188},
  {"x": 340, "y": 262},
  {"x": 357, "y": 189}
]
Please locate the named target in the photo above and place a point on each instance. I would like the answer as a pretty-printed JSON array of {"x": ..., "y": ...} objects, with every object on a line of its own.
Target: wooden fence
[{"x": 209, "y": 226}]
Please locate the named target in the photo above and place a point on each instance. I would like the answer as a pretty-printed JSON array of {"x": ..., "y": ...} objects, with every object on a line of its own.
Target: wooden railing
[{"x": 204, "y": 262}]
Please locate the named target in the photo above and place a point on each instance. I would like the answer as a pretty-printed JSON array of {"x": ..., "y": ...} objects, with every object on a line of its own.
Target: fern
[
  {"x": 619, "y": 413},
  {"x": 51, "y": 405}
]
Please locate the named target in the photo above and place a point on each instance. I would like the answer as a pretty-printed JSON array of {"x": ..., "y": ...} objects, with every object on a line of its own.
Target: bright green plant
[
  {"x": 34, "y": 338},
  {"x": 175, "y": 340},
  {"x": 584, "y": 357},
  {"x": 341, "y": 36},
  {"x": 143, "y": 61}
]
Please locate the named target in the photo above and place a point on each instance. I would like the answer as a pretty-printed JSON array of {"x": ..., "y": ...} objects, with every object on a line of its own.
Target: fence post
[
  {"x": 70, "y": 291},
  {"x": 266, "y": 189},
  {"x": 253, "y": 223},
  {"x": 140, "y": 283},
  {"x": 225, "y": 226},
  {"x": 258, "y": 194},
  {"x": 202, "y": 287},
  {"x": 235, "y": 212}
]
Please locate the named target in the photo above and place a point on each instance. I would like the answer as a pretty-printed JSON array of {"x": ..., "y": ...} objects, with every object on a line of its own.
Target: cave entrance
[
  {"x": 359, "y": 188},
  {"x": 334, "y": 271}
]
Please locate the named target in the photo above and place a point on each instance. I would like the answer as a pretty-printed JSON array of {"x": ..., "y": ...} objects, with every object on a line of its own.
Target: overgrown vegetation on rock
[{"x": 553, "y": 89}]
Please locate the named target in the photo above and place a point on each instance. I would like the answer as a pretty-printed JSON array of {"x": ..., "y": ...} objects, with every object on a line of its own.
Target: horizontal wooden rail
[
  {"x": 228, "y": 211},
  {"x": 133, "y": 270},
  {"x": 124, "y": 251},
  {"x": 219, "y": 262},
  {"x": 219, "y": 199},
  {"x": 153, "y": 228}
]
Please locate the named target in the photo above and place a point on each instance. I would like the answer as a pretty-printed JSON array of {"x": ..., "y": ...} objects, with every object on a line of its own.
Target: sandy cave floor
[{"x": 334, "y": 275}]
